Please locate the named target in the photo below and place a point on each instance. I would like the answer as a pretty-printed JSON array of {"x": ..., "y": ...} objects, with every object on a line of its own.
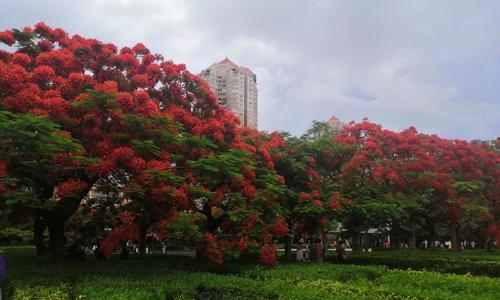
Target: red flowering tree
[
  {"x": 150, "y": 138},
  {"x": 305, "y": 204},
  {"x": 148, "y": 128},
  {"x": 366, "y": 179},
  {"x": 407, "y": 180},
  {"x": 137, "y": 117}
]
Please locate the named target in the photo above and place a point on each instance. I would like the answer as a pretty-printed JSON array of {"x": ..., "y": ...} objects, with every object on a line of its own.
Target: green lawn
[{"x": 156, "y": 277}]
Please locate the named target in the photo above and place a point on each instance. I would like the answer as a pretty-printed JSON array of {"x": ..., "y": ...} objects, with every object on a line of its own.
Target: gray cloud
[{"x": 432, "y": 64}]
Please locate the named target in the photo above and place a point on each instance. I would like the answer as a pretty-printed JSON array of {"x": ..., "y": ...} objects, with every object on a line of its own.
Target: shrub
[
  {"x": 176, "y": 278},
  {"x": 485, "y": 265}
]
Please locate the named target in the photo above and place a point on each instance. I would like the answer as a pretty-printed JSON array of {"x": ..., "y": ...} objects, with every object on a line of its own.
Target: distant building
[
  {"x": 483, "y": 142},
  {"x": 236, "y": 89},
  {"x": 336, "y": 125}
]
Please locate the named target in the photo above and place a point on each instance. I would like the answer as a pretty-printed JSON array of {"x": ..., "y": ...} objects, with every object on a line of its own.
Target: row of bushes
[
  {"x": 473, "y": 255},
  {"x": 312, "y": 281},
  {"x": 288, "y": 284},
  {"x": 160, "y": 277},
  {"x": 486, "y": 265}
]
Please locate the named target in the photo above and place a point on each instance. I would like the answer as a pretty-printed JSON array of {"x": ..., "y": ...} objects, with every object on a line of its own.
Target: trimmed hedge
[
  {"x": 447, "y": 262},
  {"x": 183, "y": 278}
]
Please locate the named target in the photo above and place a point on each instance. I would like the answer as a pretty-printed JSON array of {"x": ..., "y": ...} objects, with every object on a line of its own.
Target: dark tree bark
[
  {"x": 56, "y": 218},
  {"x": 412, "y": 238},
  {"x": 356, "y": 239},
  {"x": 39, "y": 226},
  {"x": 431, "y": 229},
  {"x": 56, "y": 237},
  {"x": 288, "y": 247},
  {"x": 124, "y": 250},
  {"x": 142, "y": 240},
  {"x": 325, "y": 244},
  {"x": 454, "y": 236}
]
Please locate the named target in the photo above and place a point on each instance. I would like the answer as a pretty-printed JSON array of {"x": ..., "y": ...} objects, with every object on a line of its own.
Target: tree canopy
[{"x": 125, "y": 140}]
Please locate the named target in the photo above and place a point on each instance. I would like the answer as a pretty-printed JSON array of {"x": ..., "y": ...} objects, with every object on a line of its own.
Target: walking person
[
  {"x": 300, "y": 251},
  {"x": 163, "y": 247}
]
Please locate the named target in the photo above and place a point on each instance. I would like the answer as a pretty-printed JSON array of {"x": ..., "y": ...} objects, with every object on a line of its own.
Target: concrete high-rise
[
  {"x": 336, "y": 125},
  {"x": 236, "y": 89}
]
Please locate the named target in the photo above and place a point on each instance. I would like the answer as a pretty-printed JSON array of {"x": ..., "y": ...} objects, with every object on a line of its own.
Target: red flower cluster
[
  {"x": 334, "y": 202},
  {"x": 122, "y": 233},
  {"x": 212, "y": 251},
  {"x": 280, "y": 228},
  {"x": 71, "y": 188},
  {"x": 7, "y": 37},
  {"x": 267, "y": 256}
]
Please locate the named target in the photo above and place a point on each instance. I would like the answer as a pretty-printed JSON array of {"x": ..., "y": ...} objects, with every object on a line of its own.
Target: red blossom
[
  {"x": 45, "y": 45},
  {"x": 280, "y": 228},
  {"x": 214, "y": 255},
  {"x": 123, "y": 233},
  {"x": 318, "y": 203},
  {"x": 7, "y": 37},
  {"x": 322, "y": 222},
  {"x": 42, "y": 29},
  {"x": 140, "y": 49},
  {"x": 334, "y": 202},
  {"x": 304, "y": 196},
  {"x": 21, "y": 59},
  {"x": 267, "y": 256},
  {"x": 71, "y": 188},
  {"x": 141, "y": 80},
  {"x": 243, "y": 244}
]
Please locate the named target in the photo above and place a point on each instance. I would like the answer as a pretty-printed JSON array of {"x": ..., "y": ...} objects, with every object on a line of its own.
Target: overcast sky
[{"x": 431, "y": 64}]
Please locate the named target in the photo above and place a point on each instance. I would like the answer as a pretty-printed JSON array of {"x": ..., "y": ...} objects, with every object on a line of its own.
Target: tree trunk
[
  {"x": 412, "y": 239},
  {"x": 431, "y": 229},
  {"x": 39, "y": 226},
  {"x": 200, "y": 251},
  {"x": 124, "y": 251},
  {"x": 142, "y": 241},
  {"x": 55, "y": 218},
  {"x": 356, "y": 239},
  {"x": 288, "y": 246},
  {"x": 56, "y": 237},
  {"x": 325, "y": 244},
  {"x": 454, "y": 236},
  {"x": 316, "y": 252}
]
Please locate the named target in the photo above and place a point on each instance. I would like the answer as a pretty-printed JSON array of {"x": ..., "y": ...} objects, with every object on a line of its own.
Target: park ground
[{"x": 174, "y": 277}]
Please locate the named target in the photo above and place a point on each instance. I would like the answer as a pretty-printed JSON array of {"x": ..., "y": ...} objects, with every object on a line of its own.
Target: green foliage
[
  {"x": 318, "y": 130},
  {"x": 189, "y": 141},
  {"x": 476, "y": 262},
  {"x": 16, "y": 234},
  {"x": 146, "y": 147},
  {"x": 184, "y": 226},
  {"x": 103, "y": 102},
  {"x": 224, "y": 166},
  {"x": 465, "y": 187},
  {"x": 28, "y": 143},
  {"x": 163, "y": 175},
  {"x": 32, "y": 137}
]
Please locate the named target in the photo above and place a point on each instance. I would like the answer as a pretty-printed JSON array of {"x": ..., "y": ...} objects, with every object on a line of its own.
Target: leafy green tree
[{"x": 34, "y": 153}]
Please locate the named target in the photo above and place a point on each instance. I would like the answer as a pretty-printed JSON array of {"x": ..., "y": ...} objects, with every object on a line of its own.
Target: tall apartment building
[
  {"x": 236, "y": 89},
  {"x": 336, "y": 125}
]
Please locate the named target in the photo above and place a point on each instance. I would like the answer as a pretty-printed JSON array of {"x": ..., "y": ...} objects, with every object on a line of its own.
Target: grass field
[{"x": 156, "y": 277}]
